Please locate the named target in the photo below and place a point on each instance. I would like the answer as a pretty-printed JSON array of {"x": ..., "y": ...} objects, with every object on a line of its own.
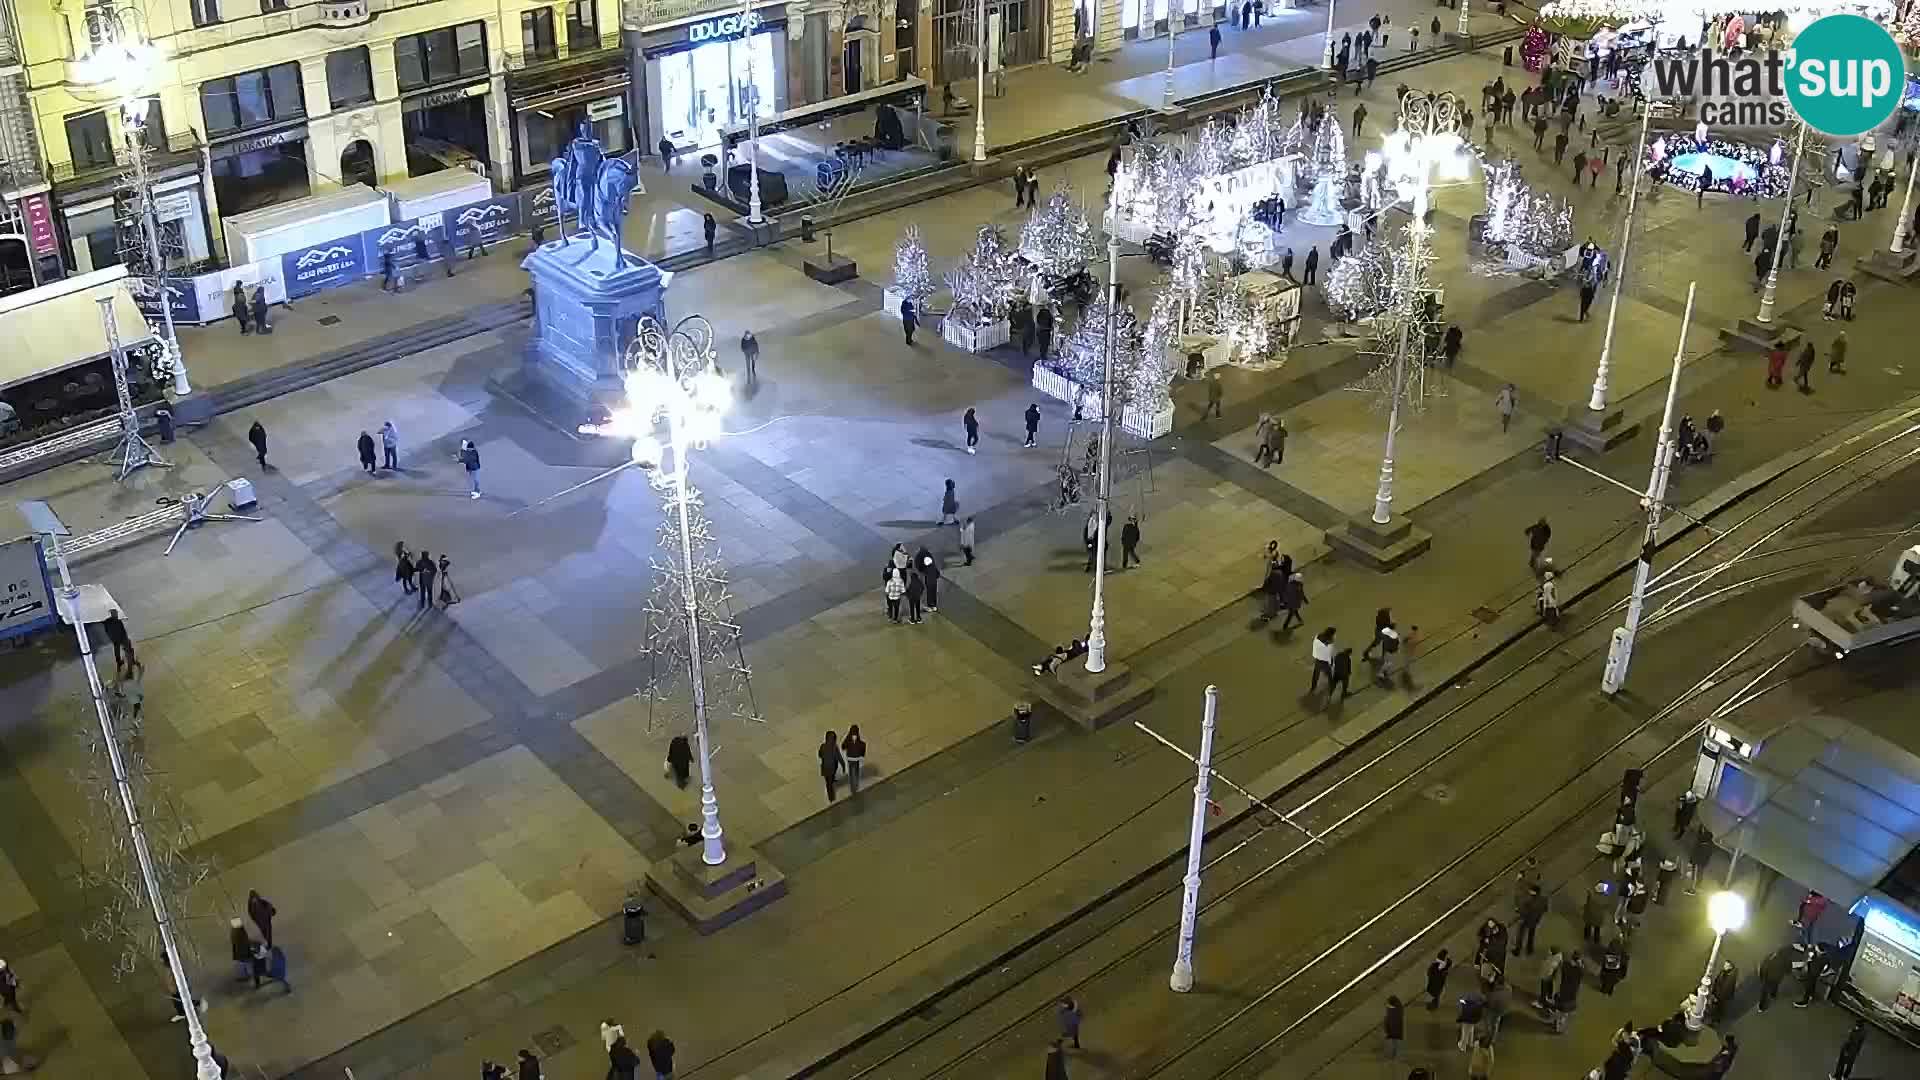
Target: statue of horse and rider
[{"x": 595, "y": 189}]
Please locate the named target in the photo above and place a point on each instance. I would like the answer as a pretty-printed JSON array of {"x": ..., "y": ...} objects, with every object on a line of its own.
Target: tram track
[{"x": 994, "y": 1008}]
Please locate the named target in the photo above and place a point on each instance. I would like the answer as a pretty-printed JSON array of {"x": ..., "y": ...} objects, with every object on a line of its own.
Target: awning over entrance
[
  {"x": 58, "y": 326},
  {"x": 1826, "y": 803}
]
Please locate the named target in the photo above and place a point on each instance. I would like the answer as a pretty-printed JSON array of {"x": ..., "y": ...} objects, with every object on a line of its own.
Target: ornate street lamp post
[
  {"x": 1726, "y": 912},
  {"x": 1765, "y": 316},
  {"x": 1426, "y": 138}
]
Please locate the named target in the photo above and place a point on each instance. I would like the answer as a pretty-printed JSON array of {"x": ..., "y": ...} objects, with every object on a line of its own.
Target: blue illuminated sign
[{"x": 725, "y": 26}]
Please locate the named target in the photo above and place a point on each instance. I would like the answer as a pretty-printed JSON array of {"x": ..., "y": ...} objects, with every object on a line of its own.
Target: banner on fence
[{"x": 324, "y": 266}]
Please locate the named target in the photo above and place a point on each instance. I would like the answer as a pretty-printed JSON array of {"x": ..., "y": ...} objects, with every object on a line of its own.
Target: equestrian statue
[{"x": 596, "y": 189}]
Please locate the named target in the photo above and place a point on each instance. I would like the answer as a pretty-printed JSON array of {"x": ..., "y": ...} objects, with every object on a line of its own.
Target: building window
[
  {"x": 349, "y": 77},
  {"x": 89, "y": 141},
  {"x": 205, "y": 12},
  {"x": 455, "y": 52},
  {"x": 536, "y": 35},
  {"x": 252, "y": 98},
  {"x": 583, "y": 26}
]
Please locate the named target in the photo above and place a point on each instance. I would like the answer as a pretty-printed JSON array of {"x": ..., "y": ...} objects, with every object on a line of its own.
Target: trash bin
[
  {"x": 806, "y": 227},
  {"x": 633, "y": 922},
  {"x": 1022, "y": 722}
]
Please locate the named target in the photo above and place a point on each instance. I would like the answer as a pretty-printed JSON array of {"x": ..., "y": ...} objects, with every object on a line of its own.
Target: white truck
[{"x": 1863, "y": 613}]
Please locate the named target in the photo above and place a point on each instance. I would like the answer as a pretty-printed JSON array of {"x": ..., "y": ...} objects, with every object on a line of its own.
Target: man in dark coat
[
  {"x": 426, "y": 569},
  {"x": 261, "y": 911},
  {"x": 1533, "y": 908},
  {"x": 260, "y": 322},
  {"x": 929, "y": 568},
  {"x": 1726, "y": 982},
  {"x": 1437, "y": 979},
  {"x": 1312, "y": 267},
  {"x": 909, "y": 319},
  {"x": 257, "y": 435},
  {"x": 660, "y": 1053},
  {"x": 1753, "y": 232},
  {"x": 241, "y": 314},
  {"x": 365, "y": 446}
]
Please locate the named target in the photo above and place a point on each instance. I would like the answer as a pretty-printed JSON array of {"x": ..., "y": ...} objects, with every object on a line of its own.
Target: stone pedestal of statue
[{"x": 587, "y": 303}]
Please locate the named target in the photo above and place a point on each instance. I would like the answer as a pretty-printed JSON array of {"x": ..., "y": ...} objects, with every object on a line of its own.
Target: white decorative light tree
[
  {"x": 1328, "y": 162},
  {"x": 912, "y": 271},
  {"x": 1058, "y": 240},
  {"x": 985, "y": 282}
]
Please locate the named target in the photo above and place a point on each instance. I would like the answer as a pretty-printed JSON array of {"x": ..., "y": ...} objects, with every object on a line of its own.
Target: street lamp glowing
[{"x": 1726, "y": 912}]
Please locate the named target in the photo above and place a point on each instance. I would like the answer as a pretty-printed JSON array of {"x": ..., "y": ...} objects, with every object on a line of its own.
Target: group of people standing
[
  {"x": 417, "y": 574},
  {"x": 389, "y": 444},
  {"x": 623, "y": 1061},
  {"x": 916, "y": 578},
  {"x": 251, "y": 314}
]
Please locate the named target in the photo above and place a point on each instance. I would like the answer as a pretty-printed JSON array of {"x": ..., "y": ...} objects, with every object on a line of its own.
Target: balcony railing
[
  {"x": 178, "y": 146},
  {"x": 581, "y": 48}
]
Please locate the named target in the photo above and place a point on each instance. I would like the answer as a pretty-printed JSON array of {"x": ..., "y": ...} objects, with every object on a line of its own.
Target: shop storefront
[
  {"x": 695, "y": 75},
  {"x": 1885, "y": 976},
  {"x": 95, "y": 223},
  {"x": 548, "y": 108},
  {"x": 1019, "y": 26},
  {"x": 260, "y": 169},
  {"x": 446, "y": 127}
]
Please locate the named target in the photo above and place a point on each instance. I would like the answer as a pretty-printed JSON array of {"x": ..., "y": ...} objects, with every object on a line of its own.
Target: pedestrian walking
[
  {"x": 1382, "y": 621},
  {"x": 1467, "y": 1018},
  {"x": 470, "y": 461},
  {"x": 1829, "y": 243},
  {"x": 259, "y": 961},
  {"x": 1276, "y": 442},
  {"x": 1726, "y": 982},
  {"x": 260, "y": 323},
  {"x": 910, "y": 320},
  {"x": 1213, "y": 42},
  {"x": 1567, "y": 996},
  {"x": 261, "y": 911},
  {"x": 257, "y": 435},
  {"x": 1215, "y": 394},
  {"x": 1579, "y": 166},
  {"x": 1803, "y": 369},
  {"x": 1773, "y": 971},
  {"x": 1588, "y": 289},
  {"x": 1260, "y": 430},
  {"x": 116, "y": 630},
  {"x": 1323, "y": 653},
  {"x": 1293, "y": 597},
  {"x": 1450, "y": 344},
  {"x": 1559, "y": 147},
  {"x": 1699, "y": 857},
  {"x": 1850, "y": 1051},
  {"x": 403, "y": 569},
  {"x": 1393, "y": 1028},
  {"x": 750, "y": 356},
  {"x": 853, "y": 749},
  {"x": 949, "y": 506},
  {"x": 1130, "y": 541},
  {"x": 622, "y": 1062},
  {"x": 893, "y": 583},
  {"x": 916, "y": 594},
  {"x": 1847, "y": 292},
  {"x": 425, "y": 569},
  {"x": 1753, "y": 232},
  {"x": 1549, "y": 970},
  {"x": 928, "y": 567},
  {"x": 390, "y": 442},
  {"x": 679, "y": 761},
  {"x": 1068, "y": 1015},
  {"x": 972, "y": 424},
  {"x": 1503, "y": 403},
  {"x": 1762, "y": 265},
  {"x": 831, "y": 761},
  {"x": 1776, "y": 366},
  {"x": 660, "y": 1054},
  {"x": 1613, "y": 965},
  {"x": 1359, "y": 116},
  {"x": 1533, "y": 908},
  {"x": 365, "y": 446},
  {"x": 1538, "y": 534},
  {"x": 449, "y": 595},
  {"x": 1032, "y": 418},
  {"x": 1547, "y": 600},
  {"x": 1539, "y": 132},
  {"x": 1312, "y": 266},
  {"x": 242, "y": 314},
  {"x": 1342, "y": 674},
  {"x": 966, "y": 539},
  {"x": 1437, "y": 972},
  {"x": 709, "y": 228},
  {"x": 1090, "y": 536},
  {"x": 386, "y": 270},
  {"x": 1837, "y": 355},
  {"x": 529, "y": 1065}
]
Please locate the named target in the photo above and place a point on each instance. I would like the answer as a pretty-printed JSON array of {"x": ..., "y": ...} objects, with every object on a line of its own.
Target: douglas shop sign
[{"x": 725, "y": 26}]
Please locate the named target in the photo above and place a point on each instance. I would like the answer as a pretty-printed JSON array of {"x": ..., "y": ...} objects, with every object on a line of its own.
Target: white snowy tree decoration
[
  {"x": 1361, "y": 285},
  {"x": 985, "y": 282},
  {"x": 1058, "y": 240},
  {"x": 912, "y": 270}
]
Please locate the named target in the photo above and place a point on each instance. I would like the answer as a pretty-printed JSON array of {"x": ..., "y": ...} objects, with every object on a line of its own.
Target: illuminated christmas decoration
[
  {"x": 1058, "y": 240},
  {"x": 1408, "y": 298},
  {"x": 1505, "y": 190},
  {"x": 985, "y": 283},
  {"x": 1142, "y": 375},
  {"x": 912, "y": 270},
  {"x": 1737, "y": 168},
  {"x": 1361, "y": 285},
  {"x": 1544, "y": 225},
  {"x": 1327, "y": 164},
  {"x": 1533, "y": 48}
]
